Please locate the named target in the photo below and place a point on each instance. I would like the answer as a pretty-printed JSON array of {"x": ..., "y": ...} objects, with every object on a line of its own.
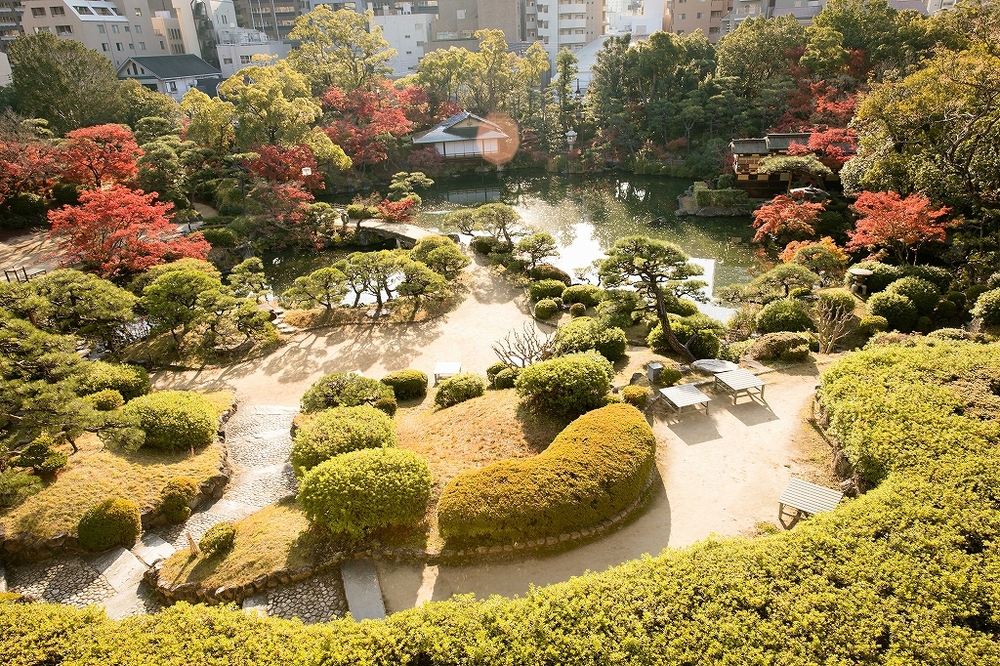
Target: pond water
[{"x": 585, "y": 214}]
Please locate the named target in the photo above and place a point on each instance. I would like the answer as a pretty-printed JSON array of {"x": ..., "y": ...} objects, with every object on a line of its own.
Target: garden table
[
  {"x": 740, "y": 381},
  {"x": 445, "y": 370},
  {"x": 685, "y": 395},
  {"x": 807, "y": 498}
]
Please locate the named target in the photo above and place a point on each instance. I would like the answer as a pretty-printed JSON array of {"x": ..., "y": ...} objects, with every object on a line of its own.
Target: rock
[
  {"x": 575, "y": 535},
  {"x": 482, "y": 550},
  {"x": 260, "y": 582},
  {"x": 551, "y": 541},
  {"x": 300, "y": 574}
]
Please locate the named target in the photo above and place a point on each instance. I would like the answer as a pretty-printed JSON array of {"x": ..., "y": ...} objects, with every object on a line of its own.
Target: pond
[{"x": 585, "y": 214}]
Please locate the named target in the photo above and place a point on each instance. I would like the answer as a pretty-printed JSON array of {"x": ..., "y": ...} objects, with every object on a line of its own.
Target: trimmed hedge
[
  {"x": 899, "y": 311},
  {"x": 987, "y": 307},
  {"x": 218, "y": 539},
  {"x": 577, "y": 310},
  {"x": 343, "y": 389},
  {"x": 106, "y": 400},
  {"x": 459, "y": 388},
  {"x": 786, "y": 346},
  {"x": 113, "y": 522},
  {"x": 367, "y": 489},
  {"x": 174, "y": 420},
  {"x": 585, "y": 333},
  {"x": 505, "y": 379},
  {"x": 407, "y": 384},
  {"x": 567, "y": 385},
  {"x": 783, "y": 315},
  {"x": 175, "y": 499},
  {"x": 340, "y": 430},
  {"x": 872, "y": 324},
  {"x": 131, "y": 381},
  {"x": 923, "y": 294},
  {"x": 637, "y": 396},
  {"x": 593, "y": 469},
  {"x": 549, "y": 272},
  {"x": 546, "y": 308},
  {"x": 587, "y": 294},
  {"x": 545, "y": 289}
]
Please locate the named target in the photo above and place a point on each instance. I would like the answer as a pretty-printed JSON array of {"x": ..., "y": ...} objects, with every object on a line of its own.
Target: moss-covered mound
[{"x": 908, "y": 573}]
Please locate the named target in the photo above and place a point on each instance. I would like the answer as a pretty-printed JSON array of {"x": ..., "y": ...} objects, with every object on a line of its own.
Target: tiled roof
[
  {"x": 445, "y": 131},
  {"x": 166, "y": 67}
]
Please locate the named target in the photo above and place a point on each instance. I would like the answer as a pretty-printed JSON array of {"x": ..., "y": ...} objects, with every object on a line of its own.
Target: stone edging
[
  {"x": 25, "y": 548},
  {"x": 194, "y": 593}
]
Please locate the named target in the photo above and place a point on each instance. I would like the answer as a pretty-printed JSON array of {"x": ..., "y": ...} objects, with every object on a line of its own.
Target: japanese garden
[{"x": 688, "y": 353}]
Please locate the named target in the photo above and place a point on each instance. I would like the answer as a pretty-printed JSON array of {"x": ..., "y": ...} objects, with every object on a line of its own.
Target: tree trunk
[{"x": 663, "y": 316}]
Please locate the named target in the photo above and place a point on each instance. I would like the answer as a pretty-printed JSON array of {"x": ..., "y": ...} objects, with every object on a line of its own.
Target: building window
[
  {"x": 162, "y": 47},
  {"x": 172, "y": 86},
  {"x": 713, "y": 31},
  {"x": 131, "y": 46},
  {"x": 100, "y": 29},
  {"x": 138, "y": 29},
  {"x": 178, "y": 49},
  {"x": 63, "y": 30},
  {"x": 460, "y": 14},
  {"x": 142, "y": 46},
  {"x": 118, "y": 45},
  {"x": 227, "y": 61},
  {"x": 699, "y": 15},
  {"x": 38, "y": 11},
  {"x": 103, "y": 11},
  {"x": 127, "y": 28},
  {"x": 138, "y": 12},
  {"x": 104, "y": 47},
  {"x": 683, "y": 16},
  {"x": 717, "y": 15},
  {"x": 114, "y": 29},
  {"x": 42, "y": 28},
  {"x": 406, "y": 36},
  {"x": 58, "y": 11},
  {"x": 244, "y": 60}
]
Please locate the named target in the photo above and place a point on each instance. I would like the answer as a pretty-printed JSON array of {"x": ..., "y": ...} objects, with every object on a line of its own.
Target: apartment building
[
  {"x": 686, "y": 16},
  {"x": 568, "y": 24},
  {"x": 10, "y": 22},
  {"x": 238, "y": 46},
  {"x": 201, "y": 23},
  {"x": 407, "y": 33},
  {"x": 166, "y": 26},
  {"x": 118, "y": 30},
  {"x": 5, "y": 78},
  {"x": 275, "y": 18},
  {"x": 458, "y": 20}
]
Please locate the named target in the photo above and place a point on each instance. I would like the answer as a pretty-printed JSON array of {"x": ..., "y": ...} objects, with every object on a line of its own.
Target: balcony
[
  {"x": 575, "y": 8},
  {"x": 572, "y": 23}
]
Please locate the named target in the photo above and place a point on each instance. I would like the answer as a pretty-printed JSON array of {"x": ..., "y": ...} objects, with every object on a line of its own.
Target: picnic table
[
  {"x": 807, "y": 498},
  {"x": 685, "y": 395},
  {"x": 445, "y": 370},
  {"x": 740, "y": 381}
]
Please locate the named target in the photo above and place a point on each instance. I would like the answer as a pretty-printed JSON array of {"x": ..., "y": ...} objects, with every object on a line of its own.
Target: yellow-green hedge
[{"x": 595, "y": 468}]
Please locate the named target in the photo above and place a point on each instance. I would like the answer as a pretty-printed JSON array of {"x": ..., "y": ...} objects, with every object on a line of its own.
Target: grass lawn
[{"x": 95, "y": 473}]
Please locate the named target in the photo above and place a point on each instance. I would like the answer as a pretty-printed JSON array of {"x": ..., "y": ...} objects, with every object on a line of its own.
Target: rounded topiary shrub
[
  {"x": 595, "y": 468},
  {"x": 705, "y": 345},
  {"x": 340, "y": 430},
  {"x": 587, "y": 294},
  {"x": 567, "y": 385},
  {"x": 546, "y": 308},
  {"x": 367, "y": 489},
  {"x": 545, "y": 289},
  {"x": 343, "y": 389},
  {"x": 130, "y": 381},
  {"x": 505, "y": 379},
  {"x": 113, "y": 522},
  {"x": 872, "y": 324},
  {"x": 925, "y": 324},
  {"x": 218, "y": 539},
  {"x": 106, "y": 401},
  {"x": 899, "y": 311},
  {"x": 637, "y": 396},
  {"x": 549, "y": 272},
  {"x": 682, "y": 307},
  {"x": 785, "y": 346},
  {"x": 882, "y": 275},
  {"x": 577, "y": 310},
  {"x": 923, "y": 294},
  {"x": 494, "y": 370},
  {"x": 176, "y": 498},
  {"x": 669, "y": 376},
  {"x": 458, "y": 389},
  {"x": 174, "y": 420},
  {"x": 407, "y": 384},
  {"x": 941, "y": 278},
  {"x": 586, "y": 333},
  {"x": 987, "y": 307},
  {"x": 958, "y": 298},
  {"x": 946, "y": 312},
  {"x": 839, "y": 301},
  {"x": 783, "y": 315}
]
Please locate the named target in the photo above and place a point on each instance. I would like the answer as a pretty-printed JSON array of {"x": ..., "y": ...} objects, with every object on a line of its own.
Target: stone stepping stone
[
  {"x": 275, "y": 410},
  {"x": 361, "y": 587},
  {"x": 152, "y": 549},
  {"x": 256, "y": 604},
  {"x": 714, "y": 365},
  {"x": 120, "y": 568},
  {"x": 272, "y": 434}
]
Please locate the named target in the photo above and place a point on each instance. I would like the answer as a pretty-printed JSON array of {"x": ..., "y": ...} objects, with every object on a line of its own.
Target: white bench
[
  {"x": 807, "y": 498},
  {"x": 739, "y": 381},
  {"x": 685, "y": 395},
  {"x": 445, "y": 370}
]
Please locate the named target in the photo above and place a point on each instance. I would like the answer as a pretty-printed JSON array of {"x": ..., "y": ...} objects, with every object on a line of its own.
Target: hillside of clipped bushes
[
  {"x": 594, "y": 468},
  {"x": 908, "y": 573}
]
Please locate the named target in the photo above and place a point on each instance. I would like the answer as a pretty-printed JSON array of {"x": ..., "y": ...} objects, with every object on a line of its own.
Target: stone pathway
[{"x": 361, "y": 587}]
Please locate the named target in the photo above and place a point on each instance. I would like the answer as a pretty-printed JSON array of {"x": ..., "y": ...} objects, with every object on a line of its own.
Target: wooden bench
[
  {"x": 807, "y": 498},
  {"x": 685, "y": 395},
  {"x": 740, "y": 382},
  {"x": 445, "y": 370}
]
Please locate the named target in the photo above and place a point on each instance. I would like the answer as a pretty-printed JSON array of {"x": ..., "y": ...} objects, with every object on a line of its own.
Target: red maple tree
[
  {"x": 118, "y": 232},
  {"x": 283, "y": 165},
  {"x": 96, "y": 155},
  {"x": 26, "y": 167},
  {"x": 786, "y": 216},
  {"x": 395, "y": 211},
  {"x": 897, "y": 224}
]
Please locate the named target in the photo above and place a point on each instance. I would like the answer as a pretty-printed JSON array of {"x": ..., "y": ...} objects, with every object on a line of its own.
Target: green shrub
[
  {"x": 993, "y": 281},
  {"x": 567, "y": 385},
  {"x": 595, "y": 468},
  {"x": 587, "y": 294},
  {"x": 407, "y": 384},
  {"x": 549, "y": 272},
  {"x": 705, "y": 345},
  {"x": 386, "y": 404},
  {"x": 15, "y": 487},
  {"x": 786, "y": 346},
  {"x": 494, "y": 370},
  {"x": 872, "y": 324},
  {"x": 898, "y": 310},
  {"x": 218, "y": 539},
  {"x": 586, "y": 333},
  {"x": 342, "y": 389},
  {"x": 130, "y": 381},
  {"x": 220, "y": 237},
  {"x": 113, "y": 522},
  {"x": 545, "y": 289},
  {"x": 923, "y": 294},
  {"x": 107, "y": 400},
  {"x": 340, "y": 430},
  {"x": 41, "y": 457},
  {"x": 174, "y": 420},
  {"x": 546, "y": 308},
  {"x": 487, "y": 245},
  {"x": 558, "y": 301},
  {"x": 612, "y": 399},
  {"x": 637, "y": 396},
  {"x": 958, "y": 298},
  {"x": 838, "y": 300},
  {"x": 882, "y": 275},
  {"x": 973, "y": 293},
  {"x": 783, "y": 315},
  {"x": 176, "y": 498},
  {"x": 505, "y": 379},
  {"x": 959, "y": 334},
  {"x": 941, "y": 278},
  {"x": 619, "y": 307},
  {"x": 681, "y": 306},
  {"x": 925, "y": 324},
  {"x": 734, "y": 351},
  {"x": 458, "y": 389},
  {"x": 987, "y": 307},
  {"x": 577, "y": 310},
  {"x": 367, "y": 489},
  {"x": 669, "y": 376},
  {"x": 800, "y": 293}
]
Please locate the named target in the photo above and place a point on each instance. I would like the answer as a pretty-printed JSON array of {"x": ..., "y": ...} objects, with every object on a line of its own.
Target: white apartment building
[
  {"x": 238, "y": 46},
  {"x": 201, "y": 22},
  {"x": 639, "y": 18},
  {"x": 5, "y": 79},
  {"x": 568, "y": 24},
  {"x": 118, "y": 30},
  {"x": 406, "y": 33}
]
